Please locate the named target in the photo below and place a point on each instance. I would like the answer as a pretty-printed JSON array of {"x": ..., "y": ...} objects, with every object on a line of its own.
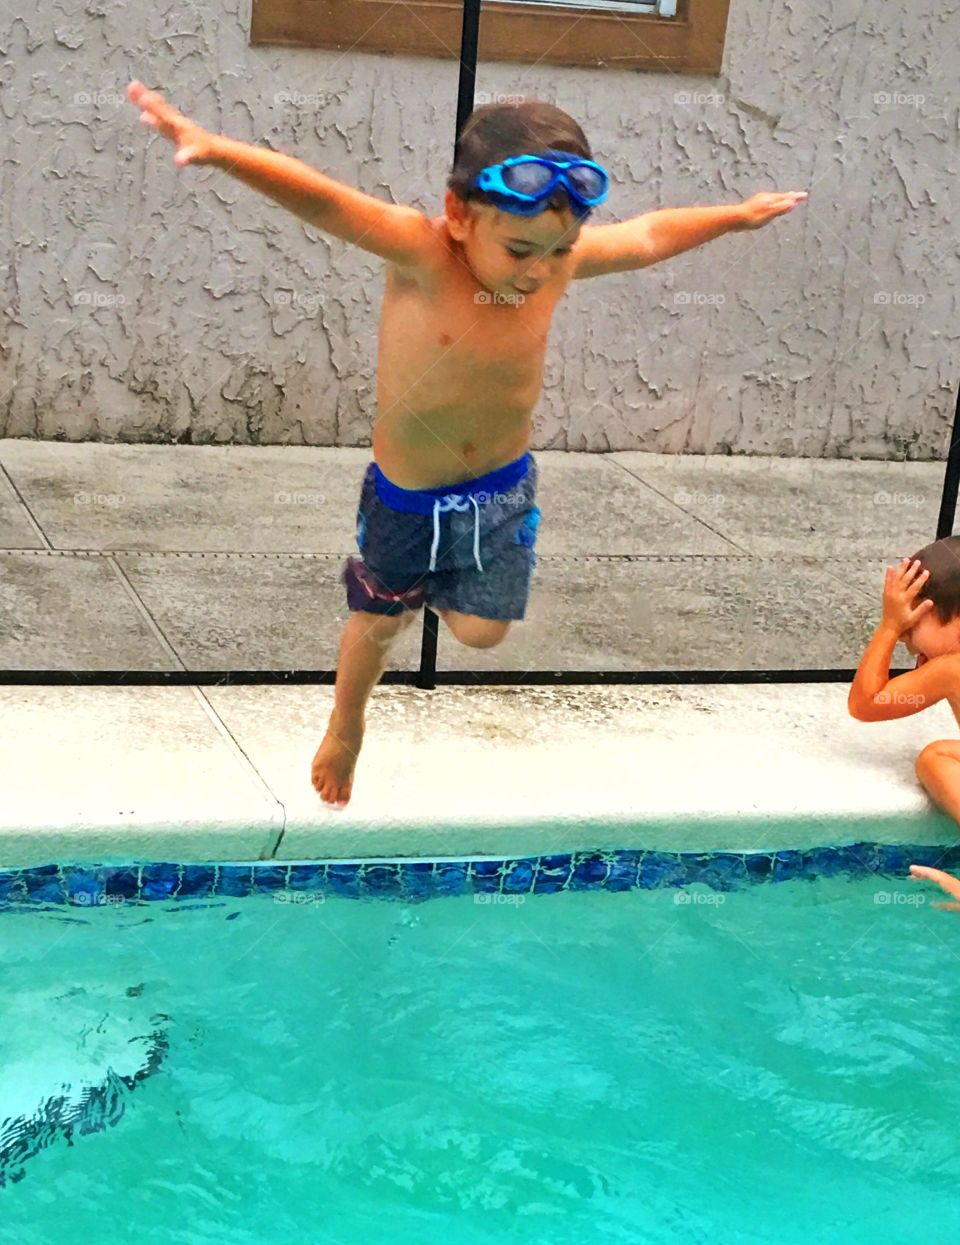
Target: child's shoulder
[
  {"x": 433, "y": 256},
  {"x": 935, "y": 679}
]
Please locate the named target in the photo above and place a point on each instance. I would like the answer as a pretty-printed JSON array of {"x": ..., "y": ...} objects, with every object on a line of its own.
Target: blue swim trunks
[{"x": 467, "y": 546}]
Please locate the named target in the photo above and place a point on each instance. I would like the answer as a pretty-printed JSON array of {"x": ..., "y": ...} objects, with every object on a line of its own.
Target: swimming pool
[{"x": 692, "y": 1057}]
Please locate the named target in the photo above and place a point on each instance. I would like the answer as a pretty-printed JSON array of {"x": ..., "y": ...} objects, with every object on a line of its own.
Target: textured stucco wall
[{"x": 142, "y": 303}]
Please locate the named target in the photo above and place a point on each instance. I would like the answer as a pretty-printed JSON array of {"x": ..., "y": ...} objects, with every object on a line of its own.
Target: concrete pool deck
[{"x": 150, "y": 558}]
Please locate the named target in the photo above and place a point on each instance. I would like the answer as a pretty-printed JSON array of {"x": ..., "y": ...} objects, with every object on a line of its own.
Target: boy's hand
[
  {"x": 900, "y": 586},
  {"x": 761, "y": 208},
  {"x": 194, "y": 145},
  {"x": 944, "y": 880}
]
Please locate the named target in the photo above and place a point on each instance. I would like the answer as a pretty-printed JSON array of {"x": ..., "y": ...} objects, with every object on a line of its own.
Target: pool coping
[{"x": 221, "y": 774}]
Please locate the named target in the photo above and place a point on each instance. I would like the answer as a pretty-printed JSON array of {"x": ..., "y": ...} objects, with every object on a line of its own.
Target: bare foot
[{"x": 334, "y": 763}]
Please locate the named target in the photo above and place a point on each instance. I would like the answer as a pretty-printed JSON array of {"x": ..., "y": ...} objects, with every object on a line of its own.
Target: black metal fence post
[
  {"x": 951, "y": 479},
  {"x": 427, "y": 673}
]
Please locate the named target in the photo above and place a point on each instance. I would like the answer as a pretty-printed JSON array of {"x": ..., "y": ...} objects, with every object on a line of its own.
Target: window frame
[{"x": 519, "y": 31}]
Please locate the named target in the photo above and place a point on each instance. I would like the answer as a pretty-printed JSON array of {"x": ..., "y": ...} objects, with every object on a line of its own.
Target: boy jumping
[{"x": 447, "y": 513}]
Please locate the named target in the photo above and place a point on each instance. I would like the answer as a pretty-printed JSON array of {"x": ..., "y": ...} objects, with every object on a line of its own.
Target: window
[{"x": 677, "y": 35}]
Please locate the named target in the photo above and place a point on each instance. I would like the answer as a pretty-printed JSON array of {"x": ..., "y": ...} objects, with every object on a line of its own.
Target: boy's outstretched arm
[
  {"x": 397, "y": 233},
  {"x": 646, "y": 239},
  {"x": 874, "y": 696}
]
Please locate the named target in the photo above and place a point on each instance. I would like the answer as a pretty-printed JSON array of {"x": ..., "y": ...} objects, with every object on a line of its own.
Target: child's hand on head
[
  {"x": 946, "y": 881},
  {"x": 194, "y": 144},
  {"x": 763, "y": 207},
  {"x": 900, "y": 586}
]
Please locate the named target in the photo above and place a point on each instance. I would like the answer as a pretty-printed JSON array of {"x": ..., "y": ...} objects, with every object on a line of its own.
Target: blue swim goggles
[{"x": 523, "y": 184}]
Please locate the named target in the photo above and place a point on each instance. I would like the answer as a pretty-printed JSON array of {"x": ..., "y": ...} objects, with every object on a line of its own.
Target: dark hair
[
  {"x": 494, "y": 132},
  {"x": 942, "y": 560}
]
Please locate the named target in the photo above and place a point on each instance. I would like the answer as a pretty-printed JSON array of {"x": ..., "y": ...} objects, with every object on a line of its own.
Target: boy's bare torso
[{"x": 458, "y": 372}]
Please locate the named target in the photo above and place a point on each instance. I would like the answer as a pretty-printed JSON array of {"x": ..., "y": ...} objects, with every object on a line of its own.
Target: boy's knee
[
  {"x": 483, "y": 639},
  {"x": 932, "y": 756},
  {"x": 473, "y": 631}
]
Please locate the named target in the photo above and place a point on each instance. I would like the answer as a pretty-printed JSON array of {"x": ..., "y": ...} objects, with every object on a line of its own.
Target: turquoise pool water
[{"x": 779, "y": 1064}]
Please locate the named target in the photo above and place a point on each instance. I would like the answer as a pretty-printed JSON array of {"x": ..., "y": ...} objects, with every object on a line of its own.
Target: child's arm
[
  {"x": 397, "y": 233},
  {"x": 874, "y": 696},
  {"x": 646, "y": 239},
  {"x": 946, "y": 881}
]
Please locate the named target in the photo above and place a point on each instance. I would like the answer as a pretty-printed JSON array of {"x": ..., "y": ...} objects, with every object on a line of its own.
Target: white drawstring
[{"x": 452, "y": 501}]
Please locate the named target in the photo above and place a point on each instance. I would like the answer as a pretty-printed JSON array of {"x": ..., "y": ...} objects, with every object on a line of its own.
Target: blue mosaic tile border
[{"x": 412, "y": 880}]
